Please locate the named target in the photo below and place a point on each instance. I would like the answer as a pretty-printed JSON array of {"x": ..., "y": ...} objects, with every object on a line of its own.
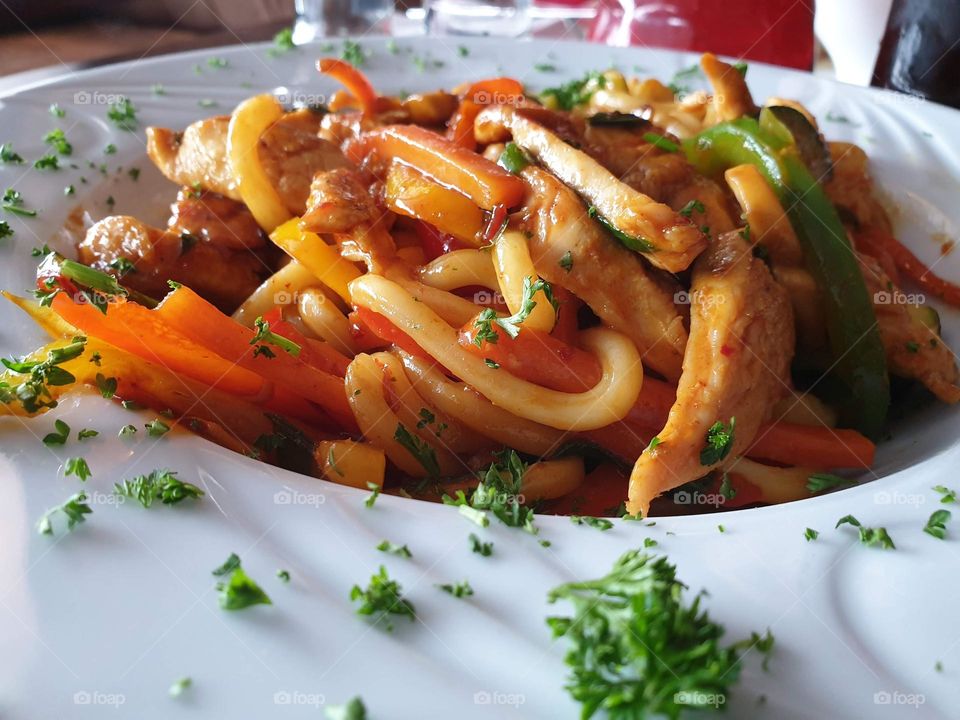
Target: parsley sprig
[
  {"x": 637, "y": 650},
  {"x": 511, "y": 324},
  {"x": 162, "y": 485},
  {"x": 421, "y": 451},
  {"x": 34, "y": 392},
  {"x": 718, "y": 442},
  {"x": 263, "y": 335},
  {"x": 75, "y": 509},
  {"x": 500, "y": 493},
  {"x": 871, "y": 537},
  {"x": 381, "y": 598},
  {"x": 239, "y": 591}
]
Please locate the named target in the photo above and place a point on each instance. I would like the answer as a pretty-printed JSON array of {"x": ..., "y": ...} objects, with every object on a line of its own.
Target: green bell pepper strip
[{"x": 858, "y": 357}]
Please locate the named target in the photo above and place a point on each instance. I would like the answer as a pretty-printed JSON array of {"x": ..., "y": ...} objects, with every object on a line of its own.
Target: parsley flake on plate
[
  {"x": 239, "y": 591},
  {"x": 162, "y": 485},
  {"x": 871, "y": 537},
  {"x": 937, "y": 524},
  {"x": 484, "y": 549},
  {"x": 394, "y": 549},
  {"x": 374, "y": 494},
  {"x": 499, "y": 492},
  {"x": 458, "y": 590},
  {"x": 594, "y": 522},
  {"x": 75, "y": 509},
  {"x": 78, "y": 468},
  {"x": 179, "y": 686},
  {"x": 353, "y": 709},
  {"x": 60, "y": 434},
  {"x": 381, "y": 598}
]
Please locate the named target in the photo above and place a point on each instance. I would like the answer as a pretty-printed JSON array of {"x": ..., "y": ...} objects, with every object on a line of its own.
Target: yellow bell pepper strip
[
  {"x": 247, "y": 124},
  {"x": 313, "y": 253},
  {"x": 202, "y": 324},
  {"x": 857, "y": 353}
]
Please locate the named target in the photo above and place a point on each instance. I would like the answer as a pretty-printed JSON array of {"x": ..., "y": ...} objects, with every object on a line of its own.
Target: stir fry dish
[{"x": 608, "y": 298}]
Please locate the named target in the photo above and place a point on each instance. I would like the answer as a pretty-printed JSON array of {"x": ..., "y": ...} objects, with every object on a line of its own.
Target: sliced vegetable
[
  {"x": 411, "y": 193},
  {"x": 355, "y": 81},
  {"x": 313, "y": 253}
]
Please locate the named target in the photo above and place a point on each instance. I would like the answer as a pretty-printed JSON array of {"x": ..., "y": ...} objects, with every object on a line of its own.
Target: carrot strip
[
  {"x": 313, "y": 352},
  {"x": 487, "y": 184},
  {"x": 409, "y": 192},
  {"x": 913, "y": 267},
  {"x": 494, "y": 91},
  {"x": 205, "y": 325},
  {"x": 810, "y": 446},
  {"x": 354, "y": 80},
  {"x": 382, "y": 328}
]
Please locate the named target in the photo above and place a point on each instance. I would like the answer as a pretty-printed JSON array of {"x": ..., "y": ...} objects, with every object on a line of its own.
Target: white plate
[{"x": 101, "y": 621}]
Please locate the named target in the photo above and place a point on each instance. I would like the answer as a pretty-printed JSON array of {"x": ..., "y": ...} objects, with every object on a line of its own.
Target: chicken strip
[
  {"x": 913, "y": 348},
  {"x": 224, "y": 277},
  {"x": 731, "y": 96},
  {"x": 291, "y": 152},
  {"x": 571, "y": 251},
  {"x": 737, "y": 365},
  {"x": 216, "y": 219},
  {"x": 667, "y": 239},
  {"x": 341, "y": 204}
]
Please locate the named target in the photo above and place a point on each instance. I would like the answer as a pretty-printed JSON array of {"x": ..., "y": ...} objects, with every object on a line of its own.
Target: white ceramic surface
[{"x": 99, "y": 622}]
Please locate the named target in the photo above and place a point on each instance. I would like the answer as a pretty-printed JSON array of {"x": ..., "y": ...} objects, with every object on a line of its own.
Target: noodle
[
  {"x": 511, "y": 258},
  {"x": 460, "y": 268},
  {"x": 281, "y": 288},
  {"x": 323, "y": 318},
  {"x": 607, "y": 402}
]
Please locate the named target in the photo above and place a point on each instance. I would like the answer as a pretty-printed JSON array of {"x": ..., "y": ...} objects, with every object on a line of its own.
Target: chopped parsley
[
  {"x": 573, "y": 93},
  {"x": 871, "y": 537},
  {"x": 649, "y": 542},
  {"x": 34, "y": 393},
  {"x": 74, "y": 509},
  {"x": 77, "y": 467},
  {"x": 239, "y": 591},
  {"x": 458, "y": 590},
  {"x": 58, "y": 141},
  {"x": 123, "y": 114},
  {"x": 810, "y": 534},
  {"x": 660, "y": 142},
  {"x": 162, "y": 485},
  {"x": 13, "y": 203},
  {"x": 69, "y": 190},
  {"x": 545, "y": 67},
  {"x": 353, "y": 709},
  {"x": 718, "y": 442},
  {"x": 394, "y": 549},
  {"x": 595, "y": 522},
  {"x": 513, "y": 159},
  {"x": 463, "y": 50},
  {"x": 179, "y": 686},
  {"x": 110, "y": 149},
  {"x": 937, "y": 524},
  {"x": 499, "y": 492},
  {"x": 566, "y": 261},
  {"x": 947, "y": 495},
  {"x": 637, "y": 650},
  {"x": 419, "y": 449},
  {"x": 353, "y": 53},
  {"x": 127, "y": 430},
  {"x": 218, "y": 63},
  {"x": 8, "y": 156},
  {"x": 484, "y": 549},
  {"x": 382, "y": 597},
  {"x": 106, "y": 385},
  {"x": 282, "y": 43},
  {"x": 492, "y": 364},
  {"x": 158, "y": 89},
  {"x": 157, "y": 428},
  {"x": 264, "y": 335},
  {"x": 57, "y": 111},
  {"x": 47, "y": 162},
  {"x": 374, "y": 494},
  {"x": 692, "y": 207},
  {"x": 283, "y": 575},
  {"x": 86, "y": 433},
  {"x": 511, "y": 325},
  {"x": 5, "y": 229},
  {"x": 818, "y": 482},
  {"x": 637, "y": 244},
  {"x": 727, "y": 490},
  {"x": 60, "y": 436}
]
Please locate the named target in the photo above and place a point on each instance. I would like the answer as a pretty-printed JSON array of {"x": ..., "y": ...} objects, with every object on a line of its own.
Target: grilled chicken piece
[
  {"x": 290, "y": 151},
  {"x": 913, "y": 348},
  {"x": 224, "y": 277},
  {"x": 612, "y": 280},
  {"x": 851, "y": 187},
  {"x": 218, "y": 220},
  {"x": 737, "y": 365},
  {"x": 674, "y": 240},
  {"x": 340, "y": 203},
  {"x": 731, "y": 96}
]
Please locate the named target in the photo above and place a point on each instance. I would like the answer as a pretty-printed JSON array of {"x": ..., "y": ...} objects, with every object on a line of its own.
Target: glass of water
[
  {"x": 503, "y": 18},
  {"x": 330, "y": 18}
]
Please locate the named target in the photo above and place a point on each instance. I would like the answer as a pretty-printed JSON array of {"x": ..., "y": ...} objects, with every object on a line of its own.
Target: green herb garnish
[
  {"x": 59, "y": 437},
  {"x": 382, "y": 598},
  {"x": 239, "y": 591},
  {"x": 484, "y": 549},
  {"x": 937, "y": 524},
  {"x": 74, "y": 509},
  {"x": 162, "y": 485},
  {"x": 394, "y": 549},
  {"x": 718, "y": 442},
  {"x": 458, "y": 590}
]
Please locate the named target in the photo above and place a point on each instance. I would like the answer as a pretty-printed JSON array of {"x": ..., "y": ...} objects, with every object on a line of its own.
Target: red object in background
[{"x": 773, "y": 31}]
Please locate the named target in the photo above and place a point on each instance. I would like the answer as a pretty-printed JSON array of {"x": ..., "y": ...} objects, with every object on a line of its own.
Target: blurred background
[{"x": 908, "y": 45}]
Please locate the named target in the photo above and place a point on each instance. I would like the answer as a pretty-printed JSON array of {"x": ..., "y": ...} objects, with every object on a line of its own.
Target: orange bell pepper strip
[
  {"x": 376, "y": 324},
  {"x": 355, "y": 81},
  {"x": 411, "y": 193},
  {"x": 189, "y": 314},
  {"x": 313, "y": 352},
  {"x": 483, "y": 181},
  {"x": 821, "y": 448}
]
